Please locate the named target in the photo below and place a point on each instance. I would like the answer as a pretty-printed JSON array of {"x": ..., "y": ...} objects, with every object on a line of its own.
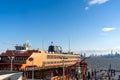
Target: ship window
[
  {"x": 52, "y": 56},
  {"x": 23, "y": 58},
  {"x": 48, "y": 56},
  {"x": 19, "y": 58},
  {"x": 44, "y": 62},
  {"x": 55, "y": 62},
  {"x": 3, "y": 58},
  {"x": 58, "y": 57},
  {"x": 55, "y": 57},
  {"x": 15, "y": 58}
]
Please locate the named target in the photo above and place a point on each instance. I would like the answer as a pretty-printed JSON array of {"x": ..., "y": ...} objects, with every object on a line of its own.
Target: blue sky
[{"x": 88, "y": 24}]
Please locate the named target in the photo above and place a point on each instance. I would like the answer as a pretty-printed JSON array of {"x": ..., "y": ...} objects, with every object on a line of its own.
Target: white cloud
[
  {"x": 93, "y": 2},
  {"x": 108, "y": 29},
  {"x": 86, "y": 8}
]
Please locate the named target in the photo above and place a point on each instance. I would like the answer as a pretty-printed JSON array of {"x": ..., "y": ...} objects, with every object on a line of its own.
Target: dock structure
[
  {"x": 10, "y": 75},
  {"x": 105, "y": 68}
]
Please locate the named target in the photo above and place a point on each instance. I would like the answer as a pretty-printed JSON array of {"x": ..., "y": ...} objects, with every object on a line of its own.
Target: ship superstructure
[
  {"x": 54, "y": 57},
  {"x": 17, "y": 57}
]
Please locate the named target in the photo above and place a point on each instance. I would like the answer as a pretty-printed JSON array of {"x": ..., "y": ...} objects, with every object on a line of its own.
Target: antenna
[
  {"x": 42, "y": 44},
  {"x": 69, "y": 45},
  {"x": 8, "y": 43},
  {"x": 27, "y": 45},
  {"x": 51, "y": 42}
]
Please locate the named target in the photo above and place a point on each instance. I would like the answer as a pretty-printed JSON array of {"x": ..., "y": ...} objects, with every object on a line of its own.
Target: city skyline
[{"x": 87, "y": 24}]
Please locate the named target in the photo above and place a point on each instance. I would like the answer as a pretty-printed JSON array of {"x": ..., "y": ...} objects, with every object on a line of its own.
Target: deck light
[{"x": 11, "y": 62}]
